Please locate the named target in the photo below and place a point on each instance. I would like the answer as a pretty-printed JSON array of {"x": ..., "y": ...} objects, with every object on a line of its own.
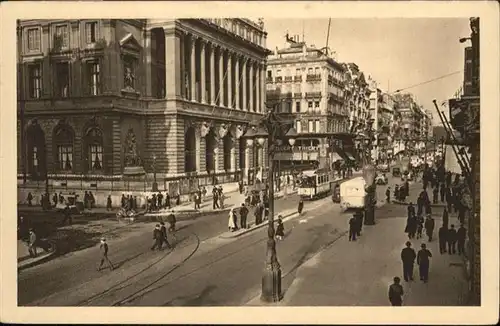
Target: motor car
[
  {"x": 383, "y": 167},
  {"x": 381, "y": 179}
]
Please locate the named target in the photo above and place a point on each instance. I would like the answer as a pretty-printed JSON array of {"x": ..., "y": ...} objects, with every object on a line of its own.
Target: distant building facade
[
  {"x": 311, "y": 85},
  {"x": 115, "y": 96}
]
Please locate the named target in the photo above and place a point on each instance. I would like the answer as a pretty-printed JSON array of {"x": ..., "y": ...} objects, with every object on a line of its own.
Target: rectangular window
[
  {"x": 297, "y": 106},
  {"x": 95, "y": 157},
  {"x": 309, "y": 106},
  {"x": 91, "y": 32},
  {"x": 311, "y": 126},
  {"x": 61, "y": 36},
  {"x": 62, "y": 79},
  {"x": 316, "y": 71},
  {"x": 316, "y": 127},
  {"x": 297, "y": 72},
  {"x": 65, "y": 157},
  {"x": 310, "y": 71},
  {"x": 316, "y": 105},
  {"x": 35, "y": 159},
  {"x": 93, "y": 73},
  {"x": 35, "y": 80},
  {"x": 269, "y": 74},
  {"x": 299, "y": 127},
  {"x": 33, "y": 39},
  {"x": 278, "y": 73}
]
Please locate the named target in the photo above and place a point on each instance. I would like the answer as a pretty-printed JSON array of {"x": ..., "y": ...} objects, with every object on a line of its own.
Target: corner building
[{"x": 103, "y": 97}]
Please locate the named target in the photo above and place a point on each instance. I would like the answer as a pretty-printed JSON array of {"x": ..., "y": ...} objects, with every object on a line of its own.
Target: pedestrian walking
[
  {"x": 420, "y": 226},
  {"x": 67, "y": 215},
  {"x": 32, "y": 243},
  {"x": 163, "y": 231},
  {"x": 452, "y": 240},
  {"x": 396, "y": 292},
  {"x": 300, "y": 208},
  {"x": 104, "y": 255},
  {"x": 259, "y": 209},
  {"x": 445, "y": 217},
  {"x": 280, "y": 228},
  {"x": 157, "y": 238},
  {"x": 231, "y": 223},
  {"x": 435, "y": 194},
  {"x": 397, "y": 193},
  {"x": 408, "y": 256},
  {"x": 30, "y": 199},
  {"x": 171, "y": 221},
  {"x": 91, "y": 200},
  {"x": 443, "y": 238},
  {"x": 109, "y": 203},
  {"x": 167, "y": 200},
  {"x": 442, "y": 192},
  {"x": 243, "y": 216},
  {"x": 423, "y": 262},
  {"x": 221, "y": 198},
  {"x": 429, "y": 227},
  {"x": 410, "y": 210},
  {"x": 388, "y": 195},
  {"x": 411, "y": 227},
  {"x": 197, "y": 200},
  {"x": 215, "y": 200},
  {"x": 353, "y": 228},
  {"x": 54, "y": 199},
  {"x": 461, "y": 236},
  {"x": 359, "y": 220}
]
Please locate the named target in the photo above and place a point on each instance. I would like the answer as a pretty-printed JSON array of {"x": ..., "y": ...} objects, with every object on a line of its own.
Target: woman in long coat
[{"x": 231, "y": 223}]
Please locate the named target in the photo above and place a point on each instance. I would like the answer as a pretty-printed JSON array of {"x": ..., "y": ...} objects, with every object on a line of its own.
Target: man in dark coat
[
  {"x": 452, "y": 240},
  {"x": 435, "y": 194},
  {"x": 359, "y": 220},
  {"x": 411, "y": 210},
  {"x": 396, "y": 292},
  {"x": 461, "y": 235},
  {"x": 215, "y": 199},
  {"x": 124, "y": 201},
  {"x": 442, "y": 192},
  {"x": 445, "y": 217},
  {"x": 54, "y": 199},
  {"x": 243, "y": 216},
  {"x": 157, "y": 237},
  {"x": 164, "y": 234},
  {"x": 160, "y": 200},
  {"x": 167, "y": 200},
  {"x": 443, "y": 238},
  {"x": 104, "y": 255},
  {"x": 429, "y": 227},
  {"x": 388, "y": 195},
  {"x": 408, "y": 257},
  {"x": 67, "y": 215},
  {"x": 109, "y": 203},
  {"x": 423, "y": 262},
  {"x": 353, "y": 228}
]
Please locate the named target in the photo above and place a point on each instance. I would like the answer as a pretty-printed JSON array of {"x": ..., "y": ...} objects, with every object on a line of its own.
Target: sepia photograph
[{"x": 249, "y": 161}]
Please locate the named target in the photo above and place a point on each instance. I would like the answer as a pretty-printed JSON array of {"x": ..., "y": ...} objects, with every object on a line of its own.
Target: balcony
[
  {"x": 288, "y": 79},
  {"x": 297, "y": 78},
  {"x": 313, "y": 78},
  {"x": 269, "y": 80},
  {"x": 310, "y": 95},
  {"x": 278, "y": 80}
]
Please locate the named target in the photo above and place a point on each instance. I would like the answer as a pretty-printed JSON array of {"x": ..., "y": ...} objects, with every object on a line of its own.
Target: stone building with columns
[{"x": 115, "y": 98}]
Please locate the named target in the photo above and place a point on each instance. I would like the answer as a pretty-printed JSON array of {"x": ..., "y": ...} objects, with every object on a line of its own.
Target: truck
[{"x": 352, "y": 194}]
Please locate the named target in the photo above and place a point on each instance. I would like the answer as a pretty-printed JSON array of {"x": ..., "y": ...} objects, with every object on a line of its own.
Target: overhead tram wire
[{"x": 428, "y": 81}]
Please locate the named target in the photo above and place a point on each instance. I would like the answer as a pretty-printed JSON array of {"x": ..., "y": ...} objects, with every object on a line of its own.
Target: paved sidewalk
[
  {"x": 359, "y": 273},
  {"x": 24, "y": 260}
]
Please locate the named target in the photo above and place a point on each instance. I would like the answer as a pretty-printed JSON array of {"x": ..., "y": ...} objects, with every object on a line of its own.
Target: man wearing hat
[
  {"x": 408, "y": 257},
  {"x": 423, "y": 262},
  {"x": 32, "y": 244},
  {"x": 163, "y": 230},
  {"x": 396, "y": 292},
  {"x": 104, "y": 255},
  {"x": 157, "y": 237}
]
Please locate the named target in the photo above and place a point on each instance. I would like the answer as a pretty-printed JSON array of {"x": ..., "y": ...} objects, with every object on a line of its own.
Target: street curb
[{"x": 40, "y": 260}]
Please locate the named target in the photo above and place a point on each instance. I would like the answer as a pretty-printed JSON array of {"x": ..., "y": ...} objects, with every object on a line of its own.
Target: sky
[{"x": 396, "y": 52}]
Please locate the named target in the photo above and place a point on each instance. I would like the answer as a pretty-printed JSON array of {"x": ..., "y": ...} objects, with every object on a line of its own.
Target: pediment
[{"x": 129, "y": 43}]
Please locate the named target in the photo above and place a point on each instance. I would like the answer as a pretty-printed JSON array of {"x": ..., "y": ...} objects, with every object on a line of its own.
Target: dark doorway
[
  {"x": 211, "y": 144},
  {"x": 227, "y": 145},
  {"x": 36, "y": 156},
  {"x": 190, "y": 150}
]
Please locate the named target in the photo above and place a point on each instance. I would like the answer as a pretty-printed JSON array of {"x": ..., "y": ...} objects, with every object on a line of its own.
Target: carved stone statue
[
  {"x": 129, "y": 78},
  {"x": 131, "y": 156}
]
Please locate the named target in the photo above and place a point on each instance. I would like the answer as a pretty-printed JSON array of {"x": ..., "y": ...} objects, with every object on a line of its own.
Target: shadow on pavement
[{"x": 196, "y": 300}]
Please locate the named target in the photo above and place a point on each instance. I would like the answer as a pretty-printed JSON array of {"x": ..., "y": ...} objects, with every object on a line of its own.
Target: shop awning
[{"x": 336, "y": 157}]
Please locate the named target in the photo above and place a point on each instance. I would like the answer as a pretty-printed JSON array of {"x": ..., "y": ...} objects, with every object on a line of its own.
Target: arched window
[
  {"x": 63, "y": 139},
  {"x": 93, "y": 139}
]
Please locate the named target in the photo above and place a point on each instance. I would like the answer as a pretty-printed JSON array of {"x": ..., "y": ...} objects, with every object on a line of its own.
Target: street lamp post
[
  {"x": 155, "y": 184},
  {"x": 274, "y": 129}
]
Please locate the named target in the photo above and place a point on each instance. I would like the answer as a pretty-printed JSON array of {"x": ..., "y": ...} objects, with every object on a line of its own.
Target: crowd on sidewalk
[{"x": 448, "y": 236}]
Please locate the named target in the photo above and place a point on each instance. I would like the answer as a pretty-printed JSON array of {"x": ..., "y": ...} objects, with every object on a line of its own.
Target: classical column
[
  {"x": 244, "y": 88},
  {"x": 202, "y": 73},
  {"x": 263, "y": 88},
  {"x": 247, "y": 161},
  {"x": 197, "y": 132},
  {"x": 147, "y": 66},
  {"x": 221, "y": 77},
  {"x": 173, "y": 63},
  {"x": 192, "y": 80},
  {"x": 237, "y": 81},
  {"x": 229, "y": 80},
  {"x": 252, "y": 86},
  {"x": 257, "y": 88},
  {"x": 212, "y": 74}
]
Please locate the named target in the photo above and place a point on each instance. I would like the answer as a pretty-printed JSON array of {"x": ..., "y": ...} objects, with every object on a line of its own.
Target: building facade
[
  {"x": 413, "y": 119},
  {"x": 310, "y": 84},
  {"x": 127, "y": 97}
]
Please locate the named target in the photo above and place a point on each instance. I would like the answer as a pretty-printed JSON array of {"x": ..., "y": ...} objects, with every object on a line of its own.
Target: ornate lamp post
[
  {"x": 272, "y": 128},
  {"x": 155, "y": 184}
]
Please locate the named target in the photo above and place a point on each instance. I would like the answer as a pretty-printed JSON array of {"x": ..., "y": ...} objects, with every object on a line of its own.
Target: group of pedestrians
[
  {"x": 217, "y": 197},
  {"x": 355, "y": 225}
]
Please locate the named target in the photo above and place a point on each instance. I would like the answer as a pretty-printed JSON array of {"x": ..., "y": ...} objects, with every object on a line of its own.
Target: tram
[{"x": 314, "y": 184}]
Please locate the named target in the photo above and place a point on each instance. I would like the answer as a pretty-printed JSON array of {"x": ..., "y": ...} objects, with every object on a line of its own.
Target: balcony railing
[
  {"x": 313, "y": 94},
  {"x": 269, "y": 80},
  {"x": 297, "y": 78},
  {"x": 313, "y": 78},
  {"x": 279, "y": 79},
  {"x": 288, "y": 79}
]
